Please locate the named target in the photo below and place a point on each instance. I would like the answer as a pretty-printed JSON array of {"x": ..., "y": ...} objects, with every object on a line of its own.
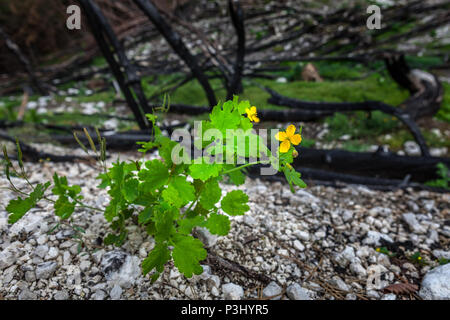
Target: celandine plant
[{"x": 174, "y": 194}]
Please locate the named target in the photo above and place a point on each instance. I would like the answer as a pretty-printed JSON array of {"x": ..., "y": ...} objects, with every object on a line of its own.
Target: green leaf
[
  {"x": 164, "y": 217},
  {"x": 225, "y": 118},
  {"x": 58, "y": 189},
  {"x": 187, "y": 254},
  {"x": 156, "y": 176},
  {"x": 18, "y": 208},
  {"x": 210, "y": 194},
  {"x": 246, "y": 124},
  {"x": 237, "y": 177},
  {"x": 204, "y": 171},
  {"x": 184, "y": 189},
  {"x": 186, "y": 225},
  {"x": 106, "y": 181},
  {"x": 130, "y": 189},
  {"x": 165, "y": 149},
  {"x": 145, "y": 215},
  {"x": 235, "y": 203},
  {"x": 156, "y": 259},
  {"x": 179, "y": 192},
  {"x": 243, "y": 105},
  {"x": 218, "y": 224},
  {"x": 293, "y": 177},
  {"x": 64, "y": 208}
]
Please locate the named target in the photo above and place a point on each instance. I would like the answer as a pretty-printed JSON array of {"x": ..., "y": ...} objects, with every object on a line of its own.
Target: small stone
[
  {"x": 250, "y": 221},
  {"x": 298, "y": 245},
  {"x": 302, "y": 235},
  {"x": 338, "y": 282},
  {"x": 45, "y": 270},
  {"x": 120, "y": 268},
  {"x": 85, "y": 265},
  {"x": 26, "y": 294},
  {"x": 373, "y": 294},
  {"x": 347, "y": 215},
  {"x": 273, "y": 289},
  {"x": 389, "y": 296},
  {"x": 373, "y": 238},
  {"x": 215, "y": 292},
  {"x": 67, "y": 258},
  {"x": 436, "y": 284},
  {"x": 52, "y": 253},
  {"x": 412, "y": 148},
  {"x": 42, "y": 239},
  {"x": 61, "y": 295},
  {"x": 213, "y": 281},
  {"x": 441, "y": 254},
  {"x": 351, "y": 296},
  {"x": 99, "y": 295},
  {"x": 30, "y": 276},
  {"x": 296, "y": 292},
  {"x": 206, "y": 237},
  {"x": 41, "y": 251},
  {"x": 358, "y": 269},
  {"x": 116, "y": 292},
  {"x": 413, "y": 224},
  {"x": 345, "y": 257},
  {"x": 7, "y": 259},
  {"x": 232, "y": 291},
  {"x": 380, "y": 211}
]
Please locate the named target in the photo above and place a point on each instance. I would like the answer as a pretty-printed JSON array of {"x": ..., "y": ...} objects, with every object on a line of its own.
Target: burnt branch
[{"x": 175, "y": 41}]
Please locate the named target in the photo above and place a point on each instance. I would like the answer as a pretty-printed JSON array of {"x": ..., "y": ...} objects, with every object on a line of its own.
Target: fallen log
[
  {"x": 340, "y": 180},
  {"x": 33, "y": 155},
  {"x": 378, "y": 164}
]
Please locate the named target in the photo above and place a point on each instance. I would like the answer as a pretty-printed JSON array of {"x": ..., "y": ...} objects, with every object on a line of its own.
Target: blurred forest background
[{"x": 309, "y": 51}]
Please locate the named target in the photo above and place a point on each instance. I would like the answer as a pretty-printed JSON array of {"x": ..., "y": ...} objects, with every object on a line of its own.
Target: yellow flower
[
  {"x": 287, "y": 138},
  {"x": 419, "y": 258},
  {"x": 252, "y": 114},
  {"x": 378, "y": 249}
]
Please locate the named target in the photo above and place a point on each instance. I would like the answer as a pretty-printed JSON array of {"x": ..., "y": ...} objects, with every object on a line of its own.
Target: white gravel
[{"x": 320, "y": 243}]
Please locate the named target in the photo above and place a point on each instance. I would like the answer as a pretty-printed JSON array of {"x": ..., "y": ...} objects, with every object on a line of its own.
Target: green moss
[
  {"x": 444, "y": 112},
  {"x": 99, "y": 61}
]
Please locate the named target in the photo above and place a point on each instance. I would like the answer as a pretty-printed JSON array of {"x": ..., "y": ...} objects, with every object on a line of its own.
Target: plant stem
[{"x": 242, "y": 167}]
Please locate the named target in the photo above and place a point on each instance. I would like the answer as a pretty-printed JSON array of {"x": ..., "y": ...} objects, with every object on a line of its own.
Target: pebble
[
  {"x": 41, "y": 251},
  {"x": 273, "y": 289},
  {"x": 116, "y": 292},
  {"x": 26, "y": 294},
  {"x": 52, "y": 253},
  {"x": 232, "y": 291},
  {"x": 61, "y": 295},
  {"x": 296, "y": 292},
  {"x": 45, "y": 270},
  {"x": 413, "y": 224},
  {"x": 98, "y": 295},
  {"x": 208, "y": 239},
  {"x": 436, "y": 284}
]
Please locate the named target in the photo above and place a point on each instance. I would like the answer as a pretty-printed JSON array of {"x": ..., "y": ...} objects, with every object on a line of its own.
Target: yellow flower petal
[
  {"x": 281, "y": 136},
  {"x": 253, "y": 109},
  {"x": 290, "y": 131},
  {"x": 247, "y": 111},
  {"x": 285, "y": 146},
  {"x": 296, "y": 139},
  {"x": 256, "y": 119}
]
